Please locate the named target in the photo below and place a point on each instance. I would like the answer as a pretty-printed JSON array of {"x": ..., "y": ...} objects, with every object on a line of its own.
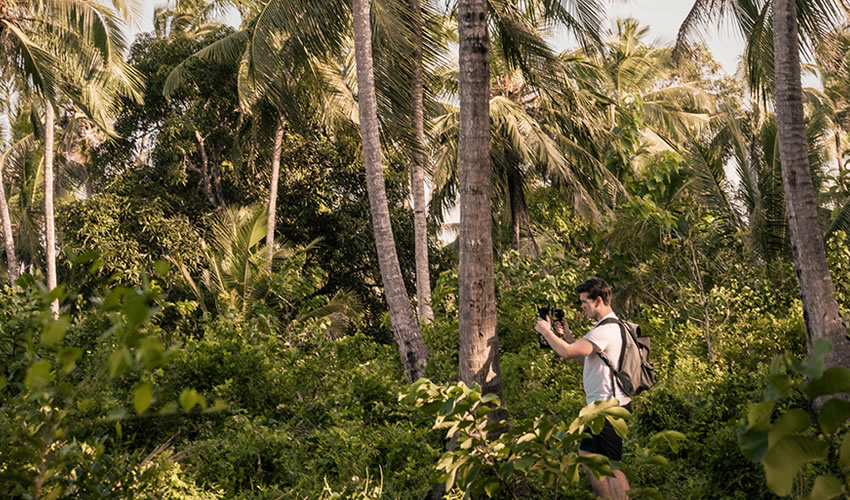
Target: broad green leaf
[
  {"x": 54, "y": 331},
  {"x": 620, "y": 426},
  {"x": 759, "y": 415},
  {"x": 38, "y": 375},
  {"x": 118, "y": 429},
  {"x": 826, "y": 488},
  {"x": 645, "y": 493},
  {"x": 834, "y": 413},
  {"x": 813, "y": 366},
  {"x": 524, "y": 463},
  {"x": 785, "y": 459},
  {"x": 119, "y": 361},
  {"x": 792, "y": 422},
  {"x": 143, "y": 397},
  {"x": 3, "y": 383},
  {"x": 833, "y": 381}
]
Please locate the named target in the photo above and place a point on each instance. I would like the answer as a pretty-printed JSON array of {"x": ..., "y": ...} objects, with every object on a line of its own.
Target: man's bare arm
[{"x": 577, "y": 349}]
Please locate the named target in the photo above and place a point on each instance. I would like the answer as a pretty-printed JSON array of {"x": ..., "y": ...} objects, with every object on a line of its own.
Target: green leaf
[
  {"x": 671, "y": 438},
  {"x": 813, "y": 366},
  {"x": 620, "y": 426},
  {"x": 524, "y": 463},
  {"x": 844, "y": 454},
  {"x": 68, "y": 358},
  {"x": 38, "y": 375},
  {"x": 792, "y": 422},
  {"x": 161, "y": 267},
  {"x": 118, "y": 429},
  {"x": 54, "y": 331},
  {"x": 119, "y": 361},
  {"x": 143, "y": 397},
  {"x": 492, "y": 486},
  {"x": 190, "y": 398},
  {"x": 759, "y": 415},
  {"x": 833, "y": 381},
  {"x": 826, "y": 488},
  {"x": 3, "y": 383},
  {"x": 785, "y": 459},
  {"x": 834, "y": 413}
]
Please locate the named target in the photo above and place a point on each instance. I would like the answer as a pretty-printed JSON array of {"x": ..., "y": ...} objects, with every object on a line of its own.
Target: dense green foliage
[{"x": 190, "y": 362}]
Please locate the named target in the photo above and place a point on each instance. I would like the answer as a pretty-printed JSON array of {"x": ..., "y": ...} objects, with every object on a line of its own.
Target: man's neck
[{"x": 603, "y": 313}]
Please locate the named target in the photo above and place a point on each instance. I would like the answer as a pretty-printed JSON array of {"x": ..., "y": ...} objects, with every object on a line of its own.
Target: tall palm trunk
[
  {"x": 50, "y": 232},
  {"x": 820, "y": 309},
  {"x": 278, "y": 146},
  {"x": 411, "y": 346},
  {"x": 479, "y": 344},
  {"x": 8, "y": 238},
  {"x": 420, "y": 226}
]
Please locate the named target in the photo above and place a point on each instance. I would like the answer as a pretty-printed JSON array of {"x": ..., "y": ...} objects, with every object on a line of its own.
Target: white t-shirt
[{"x": 597, "y": 375}]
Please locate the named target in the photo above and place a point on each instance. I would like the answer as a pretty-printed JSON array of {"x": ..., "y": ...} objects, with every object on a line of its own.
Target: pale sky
[{"x": 662, "y": 16}]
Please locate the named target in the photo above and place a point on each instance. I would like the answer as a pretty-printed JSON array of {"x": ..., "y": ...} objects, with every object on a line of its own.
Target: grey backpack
[{"x": 635, "y": 372}]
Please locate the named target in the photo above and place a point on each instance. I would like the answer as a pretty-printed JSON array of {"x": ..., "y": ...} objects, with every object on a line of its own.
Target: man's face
[{"x": 590, "y": 306}]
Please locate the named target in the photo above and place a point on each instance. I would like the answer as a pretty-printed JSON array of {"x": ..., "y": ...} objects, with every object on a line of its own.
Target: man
[{"x": 595, "y": 295}]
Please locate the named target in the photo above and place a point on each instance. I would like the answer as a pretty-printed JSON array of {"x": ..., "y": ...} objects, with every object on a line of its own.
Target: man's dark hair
[{"x": 595, "y": 288}]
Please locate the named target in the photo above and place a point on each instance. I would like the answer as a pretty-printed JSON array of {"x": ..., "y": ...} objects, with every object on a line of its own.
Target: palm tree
[
  {"x": 411, "y": 346},
  {"x": 74, "y": 49},
  {"x": 823, "y": 319},
  {"x": 776, "y": 31},
  {"x": 479, "y": 344}
]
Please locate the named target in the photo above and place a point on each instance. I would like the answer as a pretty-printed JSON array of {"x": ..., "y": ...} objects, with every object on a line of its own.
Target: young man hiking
[{"x": 595, "y": 295}]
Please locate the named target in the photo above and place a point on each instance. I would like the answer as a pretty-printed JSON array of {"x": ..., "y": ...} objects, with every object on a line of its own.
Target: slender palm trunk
[
  {"x": 205, "y": 169},
  {"x": 50, "y": 232},
  {"x": 8, "y": 238},
  {"x": 420, "y": 226},
  {"x": 820, "y": 308},
  {"x": 519, "y": 211},
  {"x": 838, "y": 156},
  {"x": 479, "y": 344},
  {"x": 411, "y": 346},
  {"x": 278, "y": 146}
]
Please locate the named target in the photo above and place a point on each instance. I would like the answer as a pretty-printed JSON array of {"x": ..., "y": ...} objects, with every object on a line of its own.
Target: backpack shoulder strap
[{"x": 614, "y": 371}]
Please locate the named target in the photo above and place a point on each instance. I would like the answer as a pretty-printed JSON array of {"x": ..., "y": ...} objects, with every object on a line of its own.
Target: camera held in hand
[{"x": 543, "y": 313}]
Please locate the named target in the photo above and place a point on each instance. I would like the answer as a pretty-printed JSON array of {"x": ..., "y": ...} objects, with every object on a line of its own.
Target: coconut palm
[
  {"x": 278, "y": 29},
  {"x": 72, "y": 49}
]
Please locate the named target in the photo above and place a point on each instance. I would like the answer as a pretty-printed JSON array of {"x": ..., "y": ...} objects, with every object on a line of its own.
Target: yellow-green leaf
[
  {"x": 38, "y": 375},
  {"x": 143, "y": 397},
  {"x": 54, "y": 331}
]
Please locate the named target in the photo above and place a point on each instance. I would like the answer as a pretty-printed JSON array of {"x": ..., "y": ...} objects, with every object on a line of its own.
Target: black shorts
[{"x": 607, "y": 442}]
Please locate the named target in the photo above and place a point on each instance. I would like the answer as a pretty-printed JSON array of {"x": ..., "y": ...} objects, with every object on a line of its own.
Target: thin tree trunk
[
  {"x": 8, "y": 237},
  {"x": 411, "y": 346},
  {"x": 820, "y": 308},
  {"x": 420, "y": 225},
  {"x": 50, "y": 232},
  {"x": 479, "y": 344},
  {"x": 519, "y": 210},
  {"x": 278, "y": 147},
  {"x": 838, "y": 156},
  {"x": 205, "y": 170}
]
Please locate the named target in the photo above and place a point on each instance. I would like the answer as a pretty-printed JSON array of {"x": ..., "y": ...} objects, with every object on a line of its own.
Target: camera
[{"x": 542, "y": 313}]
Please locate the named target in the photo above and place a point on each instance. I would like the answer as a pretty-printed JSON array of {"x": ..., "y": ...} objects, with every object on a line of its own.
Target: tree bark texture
[
  {"x": 820, "y": 308},
  {"x": 479, "y": 344},
  {"x": 519, "y": 211},
  {"x": 205, "y": 169},
  {"x": 420, "y": 225},
  {"x": 49, "y": 230},
  {"x": 278, "y": 146},
  {"x": 8, "y": 237},
  {"x": 411, "y": 346}
]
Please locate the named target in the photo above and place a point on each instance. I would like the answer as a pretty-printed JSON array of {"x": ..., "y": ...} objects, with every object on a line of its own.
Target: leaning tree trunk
[
  {"x": 411, "y": 346},
  {"x": 479, "y": 344},
  {"x": 420, "y": 226},
  {"x": 50, "y": 232},
  {"x": 278, "y": 146},
  {"x": 8, "y": 238},
  {"x": 820, "y": 308}
]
